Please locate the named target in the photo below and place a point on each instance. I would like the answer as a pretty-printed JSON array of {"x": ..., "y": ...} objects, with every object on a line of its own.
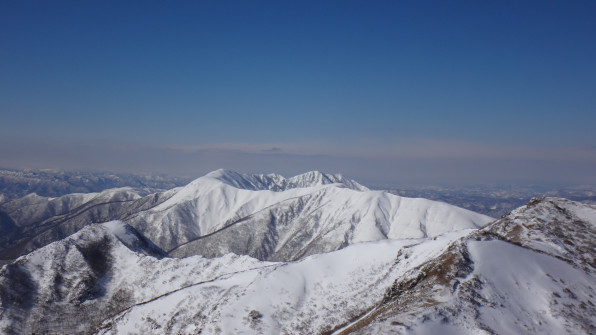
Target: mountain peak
[
  {"x": 315, "y": 178},
  {"x": 276, "y": 182},
  {"x": 553, "y": 226}
]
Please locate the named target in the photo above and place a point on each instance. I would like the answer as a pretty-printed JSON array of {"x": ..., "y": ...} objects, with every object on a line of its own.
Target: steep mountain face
[
  {"x": 107, "y": 279},
  {"x": 531, "y": 272},
  {"x": 264, "y": 216},
  {"x": 32, "y": 221},
  {"x": 328, "y": 219},
  {"x": 311, "y": 296},
  {"x": 72, "y": 285},
  {"x": 226, "y": 212}
]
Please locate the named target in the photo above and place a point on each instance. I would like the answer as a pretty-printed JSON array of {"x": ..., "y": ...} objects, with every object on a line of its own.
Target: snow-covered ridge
[
  {"x": 532, "y": 272},
  {"x": 276, "y": 182},
  {"x": 71, "y": 285},
  {"x": 554, "y": 226},
  {"x": 328, "y": 219},
  {"x": 270, "y": 217},
  {"x": 32, "y": 221},
  {"x": 273, "y": 218}
]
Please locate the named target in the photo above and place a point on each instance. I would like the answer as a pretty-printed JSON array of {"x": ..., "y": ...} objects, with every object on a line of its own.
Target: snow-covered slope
[
  {"x": 273, "y": 218},
  {"x": 266, "y": 216},
  {"x": 109, "y": 279},
  {"x": 532, "y": 272},
  {"x": 32, "y": 208},
  {"x": 275, "y": 182},
  {"x": 329, "y": 218},
  {"x": 32, "y": 221},
  {"x": 310, "y": 296},
  {"x": 72, "y": 285}
]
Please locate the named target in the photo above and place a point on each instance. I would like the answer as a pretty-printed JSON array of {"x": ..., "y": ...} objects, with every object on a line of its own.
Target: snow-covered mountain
[
  {"x": 265, "y": 216},
  {"x": 33, "y": 221},
  {"x": 55, "y": 183},
  {"x": 322, "y": 219},
  {"x": 275, "y": 182},
  {"x": 530, "y": 272},
  {"x": 71, "y": 285},
  {"x": 273, "y": 218}
]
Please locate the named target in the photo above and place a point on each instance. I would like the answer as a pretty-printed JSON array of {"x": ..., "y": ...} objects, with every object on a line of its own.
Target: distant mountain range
[
  {"x": 495, "y": 200},
  {"x": 313, "y": 254},
  {"x": 55, "y": 183}
]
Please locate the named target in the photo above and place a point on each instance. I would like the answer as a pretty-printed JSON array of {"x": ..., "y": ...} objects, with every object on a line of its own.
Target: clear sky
[{"x": 383, "y": 91}]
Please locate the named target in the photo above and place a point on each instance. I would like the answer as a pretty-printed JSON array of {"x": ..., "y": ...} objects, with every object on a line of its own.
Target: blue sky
[{"x": 379, "y": 90}]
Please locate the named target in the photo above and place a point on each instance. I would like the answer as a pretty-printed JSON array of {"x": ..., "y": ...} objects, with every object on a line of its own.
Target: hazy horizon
[{"x": 394, "y": 93}]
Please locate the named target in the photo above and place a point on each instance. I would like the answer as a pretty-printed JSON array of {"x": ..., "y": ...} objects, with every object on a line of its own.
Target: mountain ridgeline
[
  {"x": 267, "y": 217},
  {"x": 312, "y": 254}
]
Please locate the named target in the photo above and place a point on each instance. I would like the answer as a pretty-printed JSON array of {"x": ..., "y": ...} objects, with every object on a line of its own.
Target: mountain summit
[
  {"x": 273, "y": 218},
  {"x": 275, "y": 182}
]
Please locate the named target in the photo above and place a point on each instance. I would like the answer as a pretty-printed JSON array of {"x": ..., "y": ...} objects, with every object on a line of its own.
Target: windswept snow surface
[
  {"x": 108, "y": 279},
  {"x": 273, "y": 218},
  {"x": 32, "y": 221},
  {"x": 305, "y": 297},
  {"x": 70, "y": 286},
  {"x": 265, "y": 216},
  {"x": 530, "y": 272},
  {"x": 275, "y": 182}
]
